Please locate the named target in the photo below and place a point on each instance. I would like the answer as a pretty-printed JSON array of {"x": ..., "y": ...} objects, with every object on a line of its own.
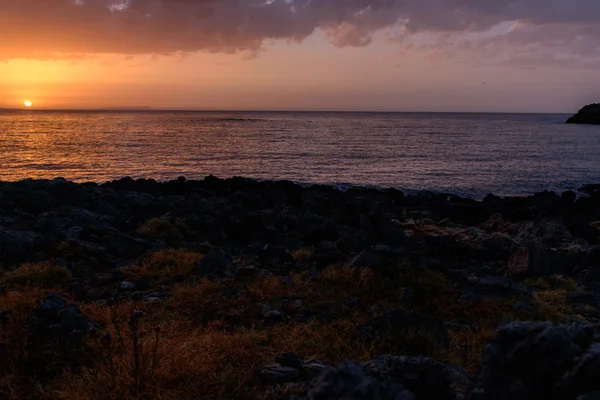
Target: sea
[{"x": 460, "y": 153}]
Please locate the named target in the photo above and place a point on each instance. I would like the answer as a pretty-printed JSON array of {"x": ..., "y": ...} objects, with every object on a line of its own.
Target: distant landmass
[{"x": 589, "y": 114}]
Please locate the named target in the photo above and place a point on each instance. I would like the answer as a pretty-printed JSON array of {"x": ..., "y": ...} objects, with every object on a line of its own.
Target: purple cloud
[{"x": 38, "y": 28}]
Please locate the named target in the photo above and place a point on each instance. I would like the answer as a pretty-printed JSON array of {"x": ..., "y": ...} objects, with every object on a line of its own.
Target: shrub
[
  {"x": 43, "y": 275},
  {"x": 171, "y": 231}
]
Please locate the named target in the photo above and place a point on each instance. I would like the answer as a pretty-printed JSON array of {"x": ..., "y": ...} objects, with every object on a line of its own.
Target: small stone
[{"x": 127, "y": 285}]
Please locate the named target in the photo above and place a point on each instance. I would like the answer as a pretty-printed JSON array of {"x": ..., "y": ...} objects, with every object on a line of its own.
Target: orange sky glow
[{"x": 331, "y": 57}]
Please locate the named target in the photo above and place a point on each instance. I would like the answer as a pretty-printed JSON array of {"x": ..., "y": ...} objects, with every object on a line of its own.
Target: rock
[
  {"x": 314, "y": 367},
  {"x": 538, "y": 259},
  {"x": 522, "y": 306},
  {"x": 367, "y": 259},
  {"x": 582, "y": 378},
  {"x": 354, "y": 302},
  {"x": 498, "y": 285},
  {"x": 127, "y": 286},
  {"x": 74, "y": 232},
  {"x": 425, "y": 377},
  {"x": 18, "y": 246},
  {"x": 291, "y": 360},
  {"x": 525, "y": 360},
  {"x": 54, "y": 318},
  {"x": 143, "y": 283},
  {"x": 277, "y": 373},
  {"x": 407, "y": 294},
  {"x": 569, "y": 196},
  {"x": 215, "y": 262},
  {"x": 246, "y": 272},
  {"x": 309, "y": 368},
  {"x": 589, "y": 114},
  {"x": 273, "y": 317},
  {"x": 398, "y": 320},
  {"x": 583, "y": 298},
  {"x": 348, "y": 381}
]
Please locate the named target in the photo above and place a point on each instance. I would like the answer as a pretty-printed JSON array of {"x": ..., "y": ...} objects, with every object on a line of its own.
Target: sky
[{"x": 372, "y": 55}]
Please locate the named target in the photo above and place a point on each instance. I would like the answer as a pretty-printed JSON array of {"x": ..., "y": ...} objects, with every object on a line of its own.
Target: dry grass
[
  {"x": 42, "y": 275},
  {"x": 553, "y": 282},
  {"x": 302, "y": 255},
  {"x": 171, "y": 231},
  {"x": 166, "y": 263},
  {"x": 212, "y": 339}
]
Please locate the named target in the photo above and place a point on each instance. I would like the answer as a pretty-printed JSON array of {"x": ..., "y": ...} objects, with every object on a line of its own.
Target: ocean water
[{"x": 465, "y": 154}]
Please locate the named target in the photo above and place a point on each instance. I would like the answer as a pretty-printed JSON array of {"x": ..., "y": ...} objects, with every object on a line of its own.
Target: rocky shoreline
[{"x": 532, "y": 258}]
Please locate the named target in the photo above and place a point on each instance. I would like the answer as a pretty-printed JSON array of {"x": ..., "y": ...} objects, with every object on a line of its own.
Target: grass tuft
[{"x": 43, "y": 275}]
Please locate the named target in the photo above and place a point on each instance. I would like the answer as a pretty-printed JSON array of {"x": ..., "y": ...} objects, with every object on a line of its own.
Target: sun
[{"x": 28, "y": 103}]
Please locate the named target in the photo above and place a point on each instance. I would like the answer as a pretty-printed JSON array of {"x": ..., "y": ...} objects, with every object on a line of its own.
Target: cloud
[{"x": 72, "y": 28}]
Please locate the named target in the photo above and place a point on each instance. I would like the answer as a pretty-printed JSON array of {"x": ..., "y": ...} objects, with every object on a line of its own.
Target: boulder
[
  {"x": 349, "y": 381},
  {"x": 215, "y": 261},
  {"x": 18, "y": 246},
  {"x": 589, "y": 114},
  {"x": 537, "y": 259},
  {"x": 55, "y": 319},
  {"x": 538, "y": 360},
  {"x": 425, "y": 377}
]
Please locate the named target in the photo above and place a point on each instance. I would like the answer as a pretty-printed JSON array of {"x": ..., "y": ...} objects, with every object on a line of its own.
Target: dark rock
[
  {"x": 143, "y": 283},
  {"x": 126, "y": 286},
  {"x": 246, "y": 272},
  {"x": 407, "y": 294},
  {"x": 367, "y": 259},
  {"x": 18, "y": 246},
  {"x": 525, "y": 360},
  {"x": 215, "y": 262},
  {"x": 348, "y": 381},
  {"x": 272, "y": 316},
  {"x": 593, "y": 257},
  {"x": 583, "y": 298},
  {"x": 54, "y": 318},
  {"x": 355, "y": 302},
  {"x": 582, "y": 378},
  {"x": 80, "y": 292},
  {"x": 569, "y": 196},
  {"x": 498, "y": 285},
  {"x": 277, "y": 373},
  {"x": 291, "y": 360},
  {"x": 538, "y": 259},
  {"x": 425, "y": 377},
  {"x": 522, "y": 306},
  {"x": 398, "y": 320},
  {"x": 589, "y": 114}
]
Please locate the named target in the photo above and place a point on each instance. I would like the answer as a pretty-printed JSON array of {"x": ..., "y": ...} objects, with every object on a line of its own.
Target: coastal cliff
[{"x": 589, "y": 114}]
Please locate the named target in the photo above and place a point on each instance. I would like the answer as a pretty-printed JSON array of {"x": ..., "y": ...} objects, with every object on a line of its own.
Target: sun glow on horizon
[{"x": 27, "y": 103}]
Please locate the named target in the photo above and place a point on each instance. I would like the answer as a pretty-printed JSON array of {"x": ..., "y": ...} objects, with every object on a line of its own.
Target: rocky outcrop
[
  {"x": 383, "y": 378},
  {"x": 524, "y": 361},
  {"x": 589, "y": 114},
  {"x": 539, "y": 360}
]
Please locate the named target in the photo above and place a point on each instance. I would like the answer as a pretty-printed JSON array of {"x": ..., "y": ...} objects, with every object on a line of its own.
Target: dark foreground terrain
[{"x": 244, "y": 290}]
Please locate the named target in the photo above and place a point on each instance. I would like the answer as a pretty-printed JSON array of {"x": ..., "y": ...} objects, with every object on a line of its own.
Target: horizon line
[{"x": 150, "y": 109}]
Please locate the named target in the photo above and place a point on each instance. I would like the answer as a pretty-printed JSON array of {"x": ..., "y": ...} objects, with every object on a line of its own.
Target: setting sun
[{"x": 27, "y": 103}]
